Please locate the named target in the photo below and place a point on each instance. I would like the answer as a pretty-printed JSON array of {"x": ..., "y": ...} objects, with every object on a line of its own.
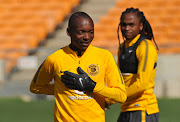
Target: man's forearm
[{"x": 42, "y": 89}]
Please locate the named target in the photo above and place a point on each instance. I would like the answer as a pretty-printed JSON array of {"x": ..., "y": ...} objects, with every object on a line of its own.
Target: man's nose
[
  {"x": 86, "y": 36},
  {"x": 127, "y": 27}
]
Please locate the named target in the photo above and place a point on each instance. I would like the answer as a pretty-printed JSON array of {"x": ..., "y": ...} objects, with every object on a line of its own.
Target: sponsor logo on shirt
[
  {"x": 136, "y": 104},
  {"x": 123, "y": 56},
  {"x": 93, "y": 69},
  {"x": 130, "y": 51},
  {"x": 125, "y": 73},
  {"x": 80, "y": 80},
  {"x": 79, "y": 96},
  {"x": 79, "y": 92}
]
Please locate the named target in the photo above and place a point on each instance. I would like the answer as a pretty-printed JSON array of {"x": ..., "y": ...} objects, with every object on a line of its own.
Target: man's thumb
[{"x": 81, "y": 71}]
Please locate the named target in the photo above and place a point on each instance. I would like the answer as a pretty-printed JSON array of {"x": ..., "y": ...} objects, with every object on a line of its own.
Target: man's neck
[{"x": 79, "y": 52}]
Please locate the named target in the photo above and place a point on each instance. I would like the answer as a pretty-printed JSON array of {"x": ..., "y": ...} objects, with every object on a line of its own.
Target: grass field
[{"x": 15, "y": 110}]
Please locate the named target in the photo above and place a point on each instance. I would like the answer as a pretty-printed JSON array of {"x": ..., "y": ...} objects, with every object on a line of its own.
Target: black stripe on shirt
[{"x": 36, "y": 75}]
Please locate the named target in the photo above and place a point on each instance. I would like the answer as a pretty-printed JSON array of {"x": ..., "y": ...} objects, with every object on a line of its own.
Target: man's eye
[
  {"x": 91, "y": 32},
  {"x": 123, "y": 24},
  {"x": 79, "y": 32},
  {"x": 131, "y": 24}
]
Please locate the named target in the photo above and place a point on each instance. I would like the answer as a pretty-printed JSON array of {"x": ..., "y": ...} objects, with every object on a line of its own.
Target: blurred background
[{"x": 30, "y": 30}]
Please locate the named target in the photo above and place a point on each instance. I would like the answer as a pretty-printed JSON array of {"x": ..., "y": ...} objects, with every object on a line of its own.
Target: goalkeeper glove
[{"x": 79, "y": 82}]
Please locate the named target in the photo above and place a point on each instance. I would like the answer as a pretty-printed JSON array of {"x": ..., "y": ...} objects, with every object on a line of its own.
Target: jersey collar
[
  {"x": 130, "y": 43},
  {"x": 83, "y": 53}
]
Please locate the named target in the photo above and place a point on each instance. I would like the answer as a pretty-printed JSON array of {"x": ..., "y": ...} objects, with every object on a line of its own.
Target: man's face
[
  {"x": 81, "y": 33},
  {"x": 130, "y": 26}
]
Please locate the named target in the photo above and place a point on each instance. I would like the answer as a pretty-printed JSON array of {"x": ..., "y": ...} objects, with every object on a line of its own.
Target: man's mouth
[
  {"x": 85, "y": 44},
  {"x": 127, "y": 33}
]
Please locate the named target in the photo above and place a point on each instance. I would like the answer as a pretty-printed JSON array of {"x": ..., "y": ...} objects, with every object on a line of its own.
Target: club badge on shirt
[
  {"x": 79, "y": 92},
  {"x": 93, "y": 69}
]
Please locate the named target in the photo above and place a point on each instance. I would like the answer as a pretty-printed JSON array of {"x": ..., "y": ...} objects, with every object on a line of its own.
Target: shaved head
[
  {"x": 75, "y": 16},
  {"x": 81, "y": 31}
]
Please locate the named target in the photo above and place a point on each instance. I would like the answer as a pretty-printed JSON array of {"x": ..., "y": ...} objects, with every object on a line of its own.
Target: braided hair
[{"x": 146, "y": 31}]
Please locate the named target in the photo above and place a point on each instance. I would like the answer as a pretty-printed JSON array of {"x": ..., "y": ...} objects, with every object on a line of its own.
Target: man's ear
[
  {"x": 68, "y": 31},
  {"x": 141, "y": 26}
]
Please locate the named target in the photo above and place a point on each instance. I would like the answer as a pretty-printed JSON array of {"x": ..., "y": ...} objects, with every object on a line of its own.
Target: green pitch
[
  {"x": 15, "y": 110},
  {"x": 169, "y": 111}
]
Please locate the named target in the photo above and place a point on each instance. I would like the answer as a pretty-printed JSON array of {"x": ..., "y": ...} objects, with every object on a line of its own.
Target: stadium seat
[
  {"x": 26, "y": 23},
  {"x": 163, "y": 17},
  {"x": 2, "y": 54}
]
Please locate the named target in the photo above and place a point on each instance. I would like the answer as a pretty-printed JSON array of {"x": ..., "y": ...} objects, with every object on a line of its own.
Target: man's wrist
[{"x": 91, "y": 84}]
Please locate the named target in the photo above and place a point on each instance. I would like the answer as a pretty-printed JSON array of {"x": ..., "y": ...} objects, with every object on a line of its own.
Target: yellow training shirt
[
  {"x": 139, "y": 87},
  {"x": 80, "y": 106}
]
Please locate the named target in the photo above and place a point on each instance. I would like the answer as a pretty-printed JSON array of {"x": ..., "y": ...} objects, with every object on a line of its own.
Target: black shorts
[{"x": 137, "y": 116}]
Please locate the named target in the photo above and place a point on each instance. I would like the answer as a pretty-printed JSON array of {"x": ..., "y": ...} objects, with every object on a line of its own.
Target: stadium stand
[
  {"x": 162, "y": 15},
  {"x": 25, "y": 24},
  {"x": 164, "y": 21}
]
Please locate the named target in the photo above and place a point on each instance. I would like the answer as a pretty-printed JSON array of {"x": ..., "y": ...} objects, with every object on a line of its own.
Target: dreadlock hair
[{"x": 146, "y": 31}]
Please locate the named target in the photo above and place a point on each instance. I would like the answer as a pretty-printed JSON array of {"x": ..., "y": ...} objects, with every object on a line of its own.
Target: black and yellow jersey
[
  {"x": 80, "y": 106},
  {"x": 140, "y": 85}
]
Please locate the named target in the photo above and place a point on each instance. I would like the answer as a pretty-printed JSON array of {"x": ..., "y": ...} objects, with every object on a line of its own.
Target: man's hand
[
  {"x": 79, "y": 82},
  {"x": 106, "y": 106}
]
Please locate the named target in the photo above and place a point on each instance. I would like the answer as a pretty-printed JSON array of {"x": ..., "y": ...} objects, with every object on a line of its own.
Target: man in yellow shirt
[
  {"x": 137, "y": 59},
  {"x": 84, "y": 70}
]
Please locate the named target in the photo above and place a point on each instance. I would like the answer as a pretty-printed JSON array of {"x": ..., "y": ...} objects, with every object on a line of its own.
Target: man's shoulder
[
  {"x": 147, "y": 45},
  {"x": 100, "y": 50},
  {"x": 146, "y": 42},
  {"x": 102, "y": 53},
  {"x": 58, "y": 53}
]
